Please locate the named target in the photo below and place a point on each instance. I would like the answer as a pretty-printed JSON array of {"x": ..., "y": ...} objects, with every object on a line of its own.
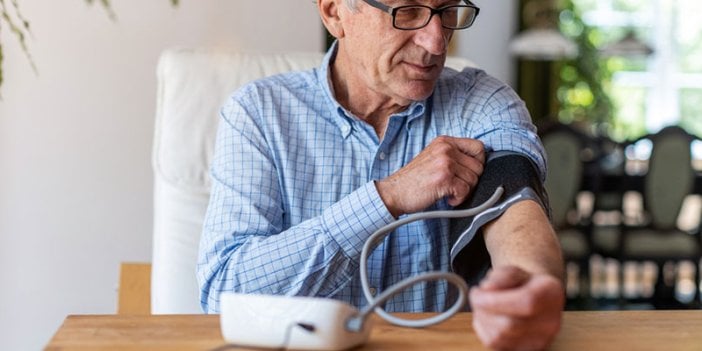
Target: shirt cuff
[{"x": 355, "y": 217}]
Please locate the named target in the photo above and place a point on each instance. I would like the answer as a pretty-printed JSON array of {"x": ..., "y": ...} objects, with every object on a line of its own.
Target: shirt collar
[{"x": 342, "y": 116}]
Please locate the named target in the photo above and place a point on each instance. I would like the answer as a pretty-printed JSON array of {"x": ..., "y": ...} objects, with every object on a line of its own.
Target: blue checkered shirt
[{"x": 293, "y": 196}]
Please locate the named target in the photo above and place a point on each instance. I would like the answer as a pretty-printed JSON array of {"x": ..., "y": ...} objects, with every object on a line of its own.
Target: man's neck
[{"x": 354, "y": 95}]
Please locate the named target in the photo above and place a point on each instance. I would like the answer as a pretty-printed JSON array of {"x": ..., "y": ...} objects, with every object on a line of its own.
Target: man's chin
[{"x": 418, "y": 90}]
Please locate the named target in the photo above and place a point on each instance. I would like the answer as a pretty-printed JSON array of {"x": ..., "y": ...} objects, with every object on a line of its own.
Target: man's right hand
[{"x": 448, "y": 167}]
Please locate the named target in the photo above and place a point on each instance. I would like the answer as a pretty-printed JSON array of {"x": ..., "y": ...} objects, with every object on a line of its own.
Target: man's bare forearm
[{"x": 523, "y": 237}]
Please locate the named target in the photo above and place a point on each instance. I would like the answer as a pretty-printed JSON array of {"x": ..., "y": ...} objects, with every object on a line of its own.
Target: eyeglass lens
[{"x": 452, "y": 17}]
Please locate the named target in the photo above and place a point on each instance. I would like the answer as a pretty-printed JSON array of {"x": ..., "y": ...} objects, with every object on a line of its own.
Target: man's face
[{"x": 401, "y": 64}]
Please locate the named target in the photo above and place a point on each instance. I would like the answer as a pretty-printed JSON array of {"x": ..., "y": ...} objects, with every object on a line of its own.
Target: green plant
[
  {"x": 582, "y": 92},
  {"x": 12, "y": 19}
]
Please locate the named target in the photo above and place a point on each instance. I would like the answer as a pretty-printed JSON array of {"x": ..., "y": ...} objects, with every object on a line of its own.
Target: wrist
[{"x": 386, "y": 195}]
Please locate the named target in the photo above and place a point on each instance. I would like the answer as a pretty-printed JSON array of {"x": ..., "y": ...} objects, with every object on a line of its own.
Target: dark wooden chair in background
[
  {"x": 659, "y": 239},
  {"x": 567, "y": 150}
]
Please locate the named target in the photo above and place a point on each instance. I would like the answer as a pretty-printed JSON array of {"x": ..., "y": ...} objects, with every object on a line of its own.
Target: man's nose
[{"x": 433, "y": 37}]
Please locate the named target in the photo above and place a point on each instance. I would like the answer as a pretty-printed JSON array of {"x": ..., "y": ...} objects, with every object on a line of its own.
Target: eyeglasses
[{"x": 418, "y": 16}]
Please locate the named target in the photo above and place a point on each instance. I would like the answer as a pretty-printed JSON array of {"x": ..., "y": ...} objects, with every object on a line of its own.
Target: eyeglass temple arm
[{"x": 381, "y": 6}]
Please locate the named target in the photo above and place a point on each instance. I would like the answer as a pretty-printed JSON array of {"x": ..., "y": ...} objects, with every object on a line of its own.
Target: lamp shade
[
  {"x": 628, "y": 46},
  {"x": 544, "y": 44}
]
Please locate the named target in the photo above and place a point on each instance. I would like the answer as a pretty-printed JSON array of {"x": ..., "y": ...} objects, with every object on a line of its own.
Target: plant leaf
[
  {"x": 19, "y": 32},
  {"x": 24, "y": 21},
  {"x": 22, "y": 29},
  {"x": 108, "y": 7}
]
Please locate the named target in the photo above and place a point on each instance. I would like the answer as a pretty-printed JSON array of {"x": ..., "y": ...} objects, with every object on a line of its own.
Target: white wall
[
  {"x": 75, "y": 141},
  {"x": 487, "y": 40}
]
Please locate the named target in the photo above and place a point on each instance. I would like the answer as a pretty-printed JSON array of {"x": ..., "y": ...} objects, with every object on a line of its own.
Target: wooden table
[{"x": 615, "y": 330}]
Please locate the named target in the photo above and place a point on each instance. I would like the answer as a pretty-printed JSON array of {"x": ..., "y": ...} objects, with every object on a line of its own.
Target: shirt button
[
  {"x": 381, "y": 156},
  {"x": 373, "y": 291}
]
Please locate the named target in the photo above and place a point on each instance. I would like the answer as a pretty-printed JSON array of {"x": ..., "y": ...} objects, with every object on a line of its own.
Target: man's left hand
[{"x": 517, "y": 310}]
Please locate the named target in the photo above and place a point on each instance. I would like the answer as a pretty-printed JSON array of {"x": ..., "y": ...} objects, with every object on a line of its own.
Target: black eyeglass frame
[{"x": 393, "y": 10}]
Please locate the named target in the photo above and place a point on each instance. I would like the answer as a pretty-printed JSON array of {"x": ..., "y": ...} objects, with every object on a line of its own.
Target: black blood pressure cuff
[{"x": 520, "y": 179}]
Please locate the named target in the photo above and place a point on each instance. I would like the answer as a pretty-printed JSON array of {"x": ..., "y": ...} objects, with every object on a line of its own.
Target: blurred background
[
  {"x": 615, "y": 87},
  {"x": 601, "y": 78}
]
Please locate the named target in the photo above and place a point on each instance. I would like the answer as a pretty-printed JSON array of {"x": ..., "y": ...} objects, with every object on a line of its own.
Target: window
[{"x": 647, "y": 93}]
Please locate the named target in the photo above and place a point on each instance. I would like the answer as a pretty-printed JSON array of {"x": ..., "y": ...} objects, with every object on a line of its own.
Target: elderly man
[{"x": 308, "y": 164}]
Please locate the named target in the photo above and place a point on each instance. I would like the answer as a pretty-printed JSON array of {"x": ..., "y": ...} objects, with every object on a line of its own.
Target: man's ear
[{"x": 329, "y": 12}]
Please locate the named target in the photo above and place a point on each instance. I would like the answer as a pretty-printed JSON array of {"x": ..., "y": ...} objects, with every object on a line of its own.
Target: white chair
[{"x": 192, "y": 85}]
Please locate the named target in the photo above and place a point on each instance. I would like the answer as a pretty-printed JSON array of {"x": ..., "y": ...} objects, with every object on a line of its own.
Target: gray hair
[{"x": 352, "y": 4}]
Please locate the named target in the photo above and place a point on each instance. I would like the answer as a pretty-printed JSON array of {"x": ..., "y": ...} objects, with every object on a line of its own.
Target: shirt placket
[{"x": 386, "y": 160}]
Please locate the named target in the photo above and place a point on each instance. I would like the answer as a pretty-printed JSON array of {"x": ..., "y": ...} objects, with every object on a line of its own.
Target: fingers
[
  {"x": 470, "y": 153},
  {"x": 504, "y": 278},
  {"x": 465, "y": 159},
  {"x": 517, "y": 313},
  {"x": 464, "y": 179},
  {"x": 468, "y": 168},
  {"x": 499, "y": 332},
  {"x": 447, "y": 168},
  {"x": 470, "y": 147},
  {"x": 511, "y": 302},
  {"x": 538, "y": 293}
]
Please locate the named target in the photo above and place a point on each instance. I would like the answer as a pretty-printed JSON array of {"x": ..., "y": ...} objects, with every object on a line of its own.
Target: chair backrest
[
  {"x": 192, "y": 85},
  {"x": 670, "y": 176},
  {"x": 564, "y": 146}
]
